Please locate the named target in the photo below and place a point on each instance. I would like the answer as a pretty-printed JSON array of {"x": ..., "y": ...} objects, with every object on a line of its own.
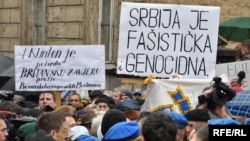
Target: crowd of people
[
  {"x": 109, "y": 117},
  {"x": 114, "y": 116}
]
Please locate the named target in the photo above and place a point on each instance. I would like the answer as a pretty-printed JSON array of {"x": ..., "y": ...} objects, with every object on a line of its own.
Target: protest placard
[
  {"x": 163, "y": 39},
  {"x": 55, "y": 68},
  {"x": 232, "y": 69}
]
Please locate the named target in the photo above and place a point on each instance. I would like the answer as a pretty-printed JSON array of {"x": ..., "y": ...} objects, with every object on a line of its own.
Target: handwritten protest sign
[
  {"x": 163, "y": 39},
  {"x": 78, "y": 67},
  {"x": 232, "y": 69}
]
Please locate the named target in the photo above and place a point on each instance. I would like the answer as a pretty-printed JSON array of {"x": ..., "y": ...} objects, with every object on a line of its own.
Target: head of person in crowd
[
  {"x": 110, "y": 118},
  {"x": 86, "y": 118},
  {"x": 108, "y": 93},
  {"x": 125, "y": 95},
  {"x": 158, "y": 126},
  {"x": 102, "y": 104},
  {"x": 91, "y": 106},
  {"x": 69, "y": 109},
  {"x": 124, "y": 131},
  {"x": 26, "y": 124},
  {"x": 80, "y": 133},
  {"x": 94, "y": 95},
  {"x": 181, "y": 122},
  {"x": 72, "y": 115},
  {"x": 3, "y": 128},
  {"x": 47, "y": 98},
  {"x": 40, "y": 135},
  {"x": 75, "y": 100},
  {"x": 130, "y": 108},
  {"x": 137, "y": 94},
  {"x": 25, "y": 129},
  {"x": 117, "y": 93},
  {"x": 54, "y": 123},
  {"x": 245, "y": 50},
  {"x": 196, "y": 117},
  {"x": 199, "y": 133}
]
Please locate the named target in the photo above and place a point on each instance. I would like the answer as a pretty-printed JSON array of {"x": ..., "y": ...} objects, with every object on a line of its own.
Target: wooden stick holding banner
[{"x": 58, "y": 99}]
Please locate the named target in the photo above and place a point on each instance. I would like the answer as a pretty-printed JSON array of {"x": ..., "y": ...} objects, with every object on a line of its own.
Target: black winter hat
[
  {"x": 110, "y": 118},
  {"x": 96, "y": 93},
  {"x": 102, "y": 100},
  {"x": 197, "y": 115}
]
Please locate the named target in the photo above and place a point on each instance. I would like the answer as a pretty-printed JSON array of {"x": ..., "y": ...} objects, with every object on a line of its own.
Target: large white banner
[
  {"x": 163, "y": 39},
  {"x": 232, "y": 69},
  {"x": 179, "y": 95},
  {"x": 77, "y": 67}
]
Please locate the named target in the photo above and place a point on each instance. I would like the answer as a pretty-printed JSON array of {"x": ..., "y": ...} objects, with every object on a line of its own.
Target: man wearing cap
[
  {"x": 181, "y": 123},
  {"x": 196, "y": 117},
  {"x": 102, "y": 104},
  {"x": 137, "y": 95},
  {"x": 125, "y": 95},
  {"x": 124, "y": 131},
  {"x": 245, "y": 50},
  {"x": 130, "y": 108}
]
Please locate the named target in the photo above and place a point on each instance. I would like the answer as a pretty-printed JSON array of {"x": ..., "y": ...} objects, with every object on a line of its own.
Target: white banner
[
  {"x": 232, "y": 69},
  {"x": 163, "y": 39},
  {"x": 56, "y": 68},
  {"x": 179, "y": 95}
]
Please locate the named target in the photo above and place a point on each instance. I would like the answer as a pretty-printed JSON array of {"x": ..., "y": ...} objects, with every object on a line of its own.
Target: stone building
[{"x": 82, "y": 22}]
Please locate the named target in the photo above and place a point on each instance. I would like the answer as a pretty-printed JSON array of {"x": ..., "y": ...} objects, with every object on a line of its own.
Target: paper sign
[
  {"x": 41, "y": 68},
  {"x": 232, "y": 69},
  {"x": 164, "y": 39}
]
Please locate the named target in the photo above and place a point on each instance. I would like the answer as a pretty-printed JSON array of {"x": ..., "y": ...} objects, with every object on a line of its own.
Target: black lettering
[{"x": 132, "y": 12}]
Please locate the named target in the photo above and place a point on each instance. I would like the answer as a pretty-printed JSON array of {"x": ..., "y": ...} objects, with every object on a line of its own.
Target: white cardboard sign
[
  {"x": 75, "y": 67},
  {"x": 163, "y": 39}
]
